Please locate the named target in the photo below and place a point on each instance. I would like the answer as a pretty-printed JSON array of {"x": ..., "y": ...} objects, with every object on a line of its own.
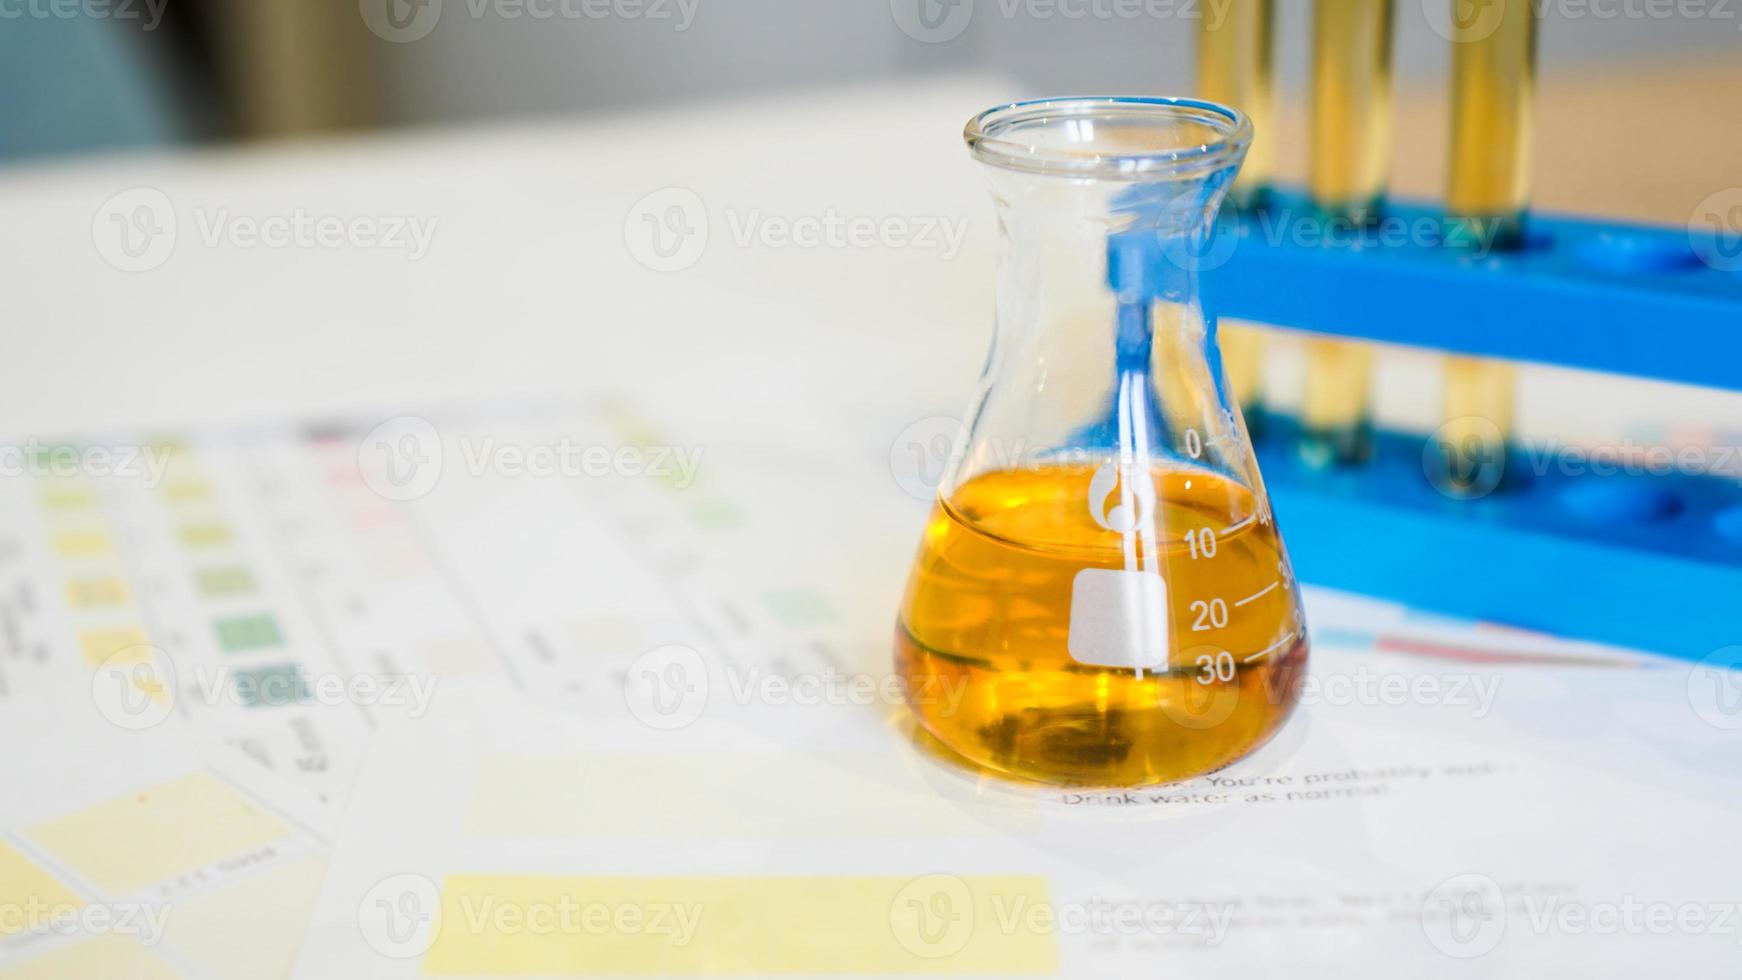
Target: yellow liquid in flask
[{"x": 983, "y": 641}]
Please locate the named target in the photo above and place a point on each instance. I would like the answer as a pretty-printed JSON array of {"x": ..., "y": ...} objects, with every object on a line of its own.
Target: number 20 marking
[{"x": 1212, "y": 615}]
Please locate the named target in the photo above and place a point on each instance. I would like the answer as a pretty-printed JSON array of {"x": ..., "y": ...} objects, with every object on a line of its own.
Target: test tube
[
  {"x": 1236, "y": 68},
  {"x": 1493, "y": 82},
  {"x": 1351, "y": 135}
]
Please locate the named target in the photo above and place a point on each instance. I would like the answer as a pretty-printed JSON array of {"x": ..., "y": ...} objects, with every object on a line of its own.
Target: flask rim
[{"x": 991, "y": 139}]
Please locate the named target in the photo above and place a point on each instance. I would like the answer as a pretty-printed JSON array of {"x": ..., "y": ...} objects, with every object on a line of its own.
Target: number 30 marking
[{"x": 1217, "y": 668}]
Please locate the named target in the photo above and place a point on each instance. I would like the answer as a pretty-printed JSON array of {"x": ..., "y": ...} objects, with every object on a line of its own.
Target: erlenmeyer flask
[{"x": 1101, "y": 596}]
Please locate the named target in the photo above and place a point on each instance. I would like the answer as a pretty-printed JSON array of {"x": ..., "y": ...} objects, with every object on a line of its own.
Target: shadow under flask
[{"x": 1101, "y": 596}]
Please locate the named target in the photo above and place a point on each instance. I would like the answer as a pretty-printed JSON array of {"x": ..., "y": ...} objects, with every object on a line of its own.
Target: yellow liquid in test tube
[
  {"x": 1479, "y": 401},
  {"x": 1235, "y": 67},
  {"x": 1243, "y": 361},
  {"x": 983, "y": 641},
  {"x": 1351, "y": 138},
  {"x": 1493, "y": 85},
  {"x": 1351, "y": 106},
  {"x": 1335, "y": 408}
]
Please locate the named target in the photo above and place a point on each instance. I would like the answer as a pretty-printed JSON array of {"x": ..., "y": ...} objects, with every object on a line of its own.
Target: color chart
[{"x": 203, "y": 635}]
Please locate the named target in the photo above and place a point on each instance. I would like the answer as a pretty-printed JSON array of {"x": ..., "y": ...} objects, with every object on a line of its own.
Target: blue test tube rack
[{"x": 1645, "y": 560}]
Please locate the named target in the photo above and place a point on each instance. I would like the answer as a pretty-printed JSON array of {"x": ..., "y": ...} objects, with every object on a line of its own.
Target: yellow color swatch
[
  {"x": 98, "y": 593},
  {"x": 555, "y": 926},
  {"x": 186, "y": 490},
  {"x": 157, "y": 833},
  {"x": 29, "y": 894},
  {"x": 66, "y": 497},
  {"x": 82, "y": 544},
  {"x": 99, "y": 645},
  {"x": 112, "y": 956},
  {"x": 205, "y": 535}
]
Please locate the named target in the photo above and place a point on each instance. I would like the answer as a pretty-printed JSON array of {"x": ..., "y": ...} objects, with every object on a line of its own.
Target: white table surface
[{"x": 528, "y": 284}]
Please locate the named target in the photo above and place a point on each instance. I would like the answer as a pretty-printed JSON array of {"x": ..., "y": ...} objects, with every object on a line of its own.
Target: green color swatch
[
  {"x": 237, "y": 634},
  {"x": 271, "y": 687}
]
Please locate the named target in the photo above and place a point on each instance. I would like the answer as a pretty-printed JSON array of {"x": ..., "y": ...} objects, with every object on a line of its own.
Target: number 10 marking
[{"x": 1202, "y": 543}]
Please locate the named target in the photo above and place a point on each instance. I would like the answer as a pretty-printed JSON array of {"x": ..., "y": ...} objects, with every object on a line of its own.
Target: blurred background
[
  {"x": 540, "y": 123},
  {"x": 88, "y": 76}
]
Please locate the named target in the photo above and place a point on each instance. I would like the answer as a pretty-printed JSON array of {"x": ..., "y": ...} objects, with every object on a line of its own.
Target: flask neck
[
  {"x": 1101, "y": 345},
  {"x": 1078, "y": 259}
]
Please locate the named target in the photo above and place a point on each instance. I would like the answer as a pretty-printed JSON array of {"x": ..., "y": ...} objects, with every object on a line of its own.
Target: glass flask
[{"x": 1101, "y": 596}]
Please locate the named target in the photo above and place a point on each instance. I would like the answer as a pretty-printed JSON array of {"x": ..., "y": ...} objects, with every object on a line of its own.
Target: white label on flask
[{"x": 1118, "y": 619}]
